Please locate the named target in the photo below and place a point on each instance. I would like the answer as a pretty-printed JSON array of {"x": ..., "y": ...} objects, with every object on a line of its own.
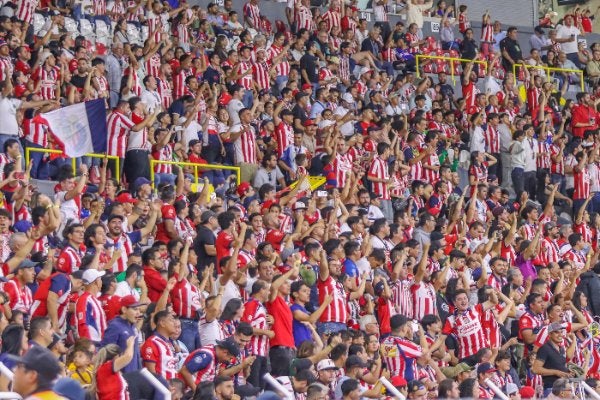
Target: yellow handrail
[
  {"x": 28, "y": 151},
  {"x": 196, "y": 167},
  {"x": 549, "y": 69},
  {"x": 451, "y": 59}
]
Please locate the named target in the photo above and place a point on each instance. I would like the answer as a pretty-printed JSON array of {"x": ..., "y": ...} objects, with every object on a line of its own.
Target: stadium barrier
[
  {"x": 29, "y": 150},
  {"x": 451, "y": 60},
  {"x": 196, "y": 167},
  {"x": 553, "y": 69}
]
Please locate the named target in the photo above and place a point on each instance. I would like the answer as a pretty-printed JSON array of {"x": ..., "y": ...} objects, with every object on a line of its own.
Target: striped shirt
[
  {"x": 20, "y": 296},
  {"x": 90, "y": 318},
  {"x": 186, "y": 300},
  {"x": 400, "y": 355},
  {"x": 337, "y": 310},
  {"x": 119, "y": 125},
  {"x": 245, "y": 145},
  {"x": 255, "y": 314},
  {"x": 467, "y": 327},
  {"x": 379, "y": 170},
  {"x": 160, "y": 351}
]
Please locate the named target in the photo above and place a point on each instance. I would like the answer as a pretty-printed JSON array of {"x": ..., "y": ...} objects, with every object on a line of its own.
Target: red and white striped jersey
[
  {"x": 245, "y": 145},
  {"x": 119, "y": 125},
  {"x": 379, "y": 170},
  {"x": 122, "y": 242},
  {"x": 430, "y": 175},
  {"x": 332, "y": 18},
  {"x": 25, "y": 10},
  {"x": 69, "y": 260},
  {"x": 402, "y": 297},
  {"x": 284, "y": 136},
  {"x": 186, "y": 299},
  {"x": 90, "y": 318},
  {"x": 337, "y": 310},
  {"x": 58, "y": 283},
  {"x": 165, "y": 90},
  {"x": 463, "y": 22},
  {"x": 582, "y": 180},
  {"x": 245, "y": 81},
  {"x": 549, "y": 251},
  {"x": 133, "y": 16},
  {"x": 496, "y": 281},
  {"x": 260, "y": 74},
  {"x": 20, "y": 296},
  {"x": 99, "y": 7},
  {"x": 556, "y": 167},
  {"x": 400, "y": 355},
  {"x": 424, "y": 300},
  {"x": 543, "y": 156},
  {"x": 412, "y": 39},
  {"x": 342, "y": 167},
  {"x": 36, "y": 130},
  {"x": 255, "y": 314},
  {"x": 153, "y": 65},
  {"x": 467, "y": 327},
  {"x": 380, "y": 12},
  {"x": 303, "y": 18},
  {"x": 6, "y": 65},
  {"x": 283, "y": 68},
  {"x": 487, "y": 33},
  {"x": 577, "y": 257},
  {"x": 585, "y": 231},
  {"x": 136, "y": 84},
  {"x": 165, "y": 153},
  {"x": 252, "y": 12},
  {"x": 47, "y": 80},
  {"x": 183, "y": 34},
  {"x": 491, "y": 328},
  {"x": 159, "y": 350},
  {"x": 202, "y": 364},
  {"x": 542, "y": 336},
  {"x": 469, "y": 93},
  {"x": 492, "y": 139},
  {"x": 349, "y": 24},
  {"x": 344, "y": 68},
  {"x": 179, "y": 82}
]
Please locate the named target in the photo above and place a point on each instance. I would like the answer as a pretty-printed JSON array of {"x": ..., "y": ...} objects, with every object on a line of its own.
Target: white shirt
[
  {"x": 123, "y": 289},
  {"x": 151, "y": 99},
  {"x": 531, "y": 149},
  {"x": 8, "y": 116},
  {"x": 233, "y": 108},
  {"x": 232, "y": 291},
  {"x": 564, "y": 32},
  {"x": 477, "y": 140},
  {"x": 348, "y": 128}
]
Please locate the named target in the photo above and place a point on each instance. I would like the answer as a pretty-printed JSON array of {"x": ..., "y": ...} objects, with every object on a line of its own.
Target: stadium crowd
[{"x": 384, "y": 226}]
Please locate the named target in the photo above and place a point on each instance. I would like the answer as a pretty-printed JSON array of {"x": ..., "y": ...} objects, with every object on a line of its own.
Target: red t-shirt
[
  {"x": 282, "y": 316},
  {"x": 168, "y": 212},
  {"x": 583, "y": 113},
  {"x": 223, "y": 247}
]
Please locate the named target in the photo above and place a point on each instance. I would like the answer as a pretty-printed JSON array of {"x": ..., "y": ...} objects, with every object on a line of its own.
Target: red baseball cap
[
  {"x": 398, "y": 381},
  {"x": 126, "y": 197},
  {"x": 130, "y": 301},
  {"x": 306, "y": 86},
  {"x": 243, "y": 188}
]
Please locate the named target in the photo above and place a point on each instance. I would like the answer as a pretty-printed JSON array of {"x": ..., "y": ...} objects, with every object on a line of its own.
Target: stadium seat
[
  {"x": 71, "y": 25},
  {"x": 86, "y": 28},
  {"x": 38, "y": 22}
]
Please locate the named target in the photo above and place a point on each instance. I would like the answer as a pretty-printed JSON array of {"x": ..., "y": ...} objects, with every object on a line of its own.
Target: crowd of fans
[{"x": 383, "y": 226}]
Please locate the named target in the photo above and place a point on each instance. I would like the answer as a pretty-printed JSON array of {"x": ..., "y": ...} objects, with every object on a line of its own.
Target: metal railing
[
  {"x": 452, "y": 60},
  {"x": 552, "y": 69},
  {"x": 29, "y": 150},
  {"x": 196, "y": 166}
]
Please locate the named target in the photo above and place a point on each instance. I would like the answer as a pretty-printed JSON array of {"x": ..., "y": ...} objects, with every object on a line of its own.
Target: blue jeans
[
  {"x": 331, "y": 327},
  {"x": 518, "y": 178},
  {"x": 39, "y": 170},
  {"x": 189, "y": 334},
  {"x": 248, "y": 99}
]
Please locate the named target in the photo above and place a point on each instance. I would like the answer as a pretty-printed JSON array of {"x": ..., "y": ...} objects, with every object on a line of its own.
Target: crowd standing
[{"x": 451, "y": 248}]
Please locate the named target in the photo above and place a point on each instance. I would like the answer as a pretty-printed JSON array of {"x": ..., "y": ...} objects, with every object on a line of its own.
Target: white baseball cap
[{"x": 90, "y": 275}]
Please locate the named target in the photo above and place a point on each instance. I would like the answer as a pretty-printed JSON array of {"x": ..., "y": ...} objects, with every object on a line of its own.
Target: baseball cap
[
  {"x": 347, "y": 97},
  {"x": 538, "y": 29},
  {"x": 193, "y": 142},
  {"x": 125, "y": 197},
  {"x": 243, "y": 188},
  {"x": 309, "y": 122},
  {"x": 27, "y": 264},
  {"x": 453, "y": 372},
  {"x": 78, "y": 274},
  {"x": 299, "y": 206},
  {"x": 113, "y": 216},
  {"x": 555, "y": 327},
  {"x": 326, "y": 364},
  {"x": 398, "y": 381},
  {"x": 527, "y": 392},
  {"x": 69, "y": 388},
  {"x": 285, "y": 111},
  {"x": 355, "y": 361},
  {"x": 306, "y": 86},
  {"x": 139, "y": 182},
  {"x": 22, "y": 226},
  {"x": 230, "y": 345},
  {"x": 130, "y": 301},
  {"x": 484, "y": 368},
  {"x": 55, "y": 339},
  {"x": 40, "y": 360},
  {"x": 548, "y": 226},
  {"x": 90, "y": 275},
  {"x": 206, "y": 215},
  {"x": 511, "y": 388}
]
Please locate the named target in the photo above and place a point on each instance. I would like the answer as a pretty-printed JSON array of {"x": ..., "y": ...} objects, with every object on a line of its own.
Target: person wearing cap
[
  {"x": 202, "y": 364},
  {"x": 124, "y": 327},
  {"x": 70, "y": 257},
  {"x": 416, "y": 390},
  {"x": 90, "y": 318},
  {"x": 35, "y": 374},
  {"x": 354, "y": 369},
  {"x": 485, "y": 371},
  {"x": 17, "y": 287},
  {"x": 143, "y": 188},
  {"x": 326, "y": 372},
  {"x": 551, "y": 360}
]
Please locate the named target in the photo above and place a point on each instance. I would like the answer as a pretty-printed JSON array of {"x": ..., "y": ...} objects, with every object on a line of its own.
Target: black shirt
[
  {"x": 552, "y": 359},
  {"x": 468, "y": 49},
  {"x": 513, "y": 49},
  {"x": 308, "y": 62},
  {"x": 204, "y": 237}
]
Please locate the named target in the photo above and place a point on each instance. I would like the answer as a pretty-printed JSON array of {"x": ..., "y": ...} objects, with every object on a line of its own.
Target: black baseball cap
[
  {"x": 40, "y": 360},
  {"x": 230, "y": 345}
]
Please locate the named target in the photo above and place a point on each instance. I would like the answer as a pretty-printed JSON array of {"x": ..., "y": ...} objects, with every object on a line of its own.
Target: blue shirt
[
  {"x": 117, "y": 332},
  {"x": 301, "y": 332}
]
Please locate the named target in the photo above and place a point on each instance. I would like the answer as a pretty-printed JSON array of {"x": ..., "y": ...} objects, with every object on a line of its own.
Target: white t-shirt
[
  {"x": 151, "y": 99},
  {"x": 232, "y": 291},
  {"x": 564, "y": 32},
  {"x": 233, "y": 108},
  {"x": 123, "y": 289},
  {"x": 8, "y": 116}
]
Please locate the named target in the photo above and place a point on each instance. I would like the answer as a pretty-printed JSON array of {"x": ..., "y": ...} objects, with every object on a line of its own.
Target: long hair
[
  {"x": 105, "y": 354},
  {"x": 230, "y": 309},
  {"x": 12, "y": 339}
]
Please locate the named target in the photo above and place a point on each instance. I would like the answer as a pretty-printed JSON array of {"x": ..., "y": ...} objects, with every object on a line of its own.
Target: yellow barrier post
[
  {"x": 452, "y": 61},
  {"x": 550, "y": 69},
  {"x": 73, "y": 160},
  {"x": 196, "y": 167}
]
